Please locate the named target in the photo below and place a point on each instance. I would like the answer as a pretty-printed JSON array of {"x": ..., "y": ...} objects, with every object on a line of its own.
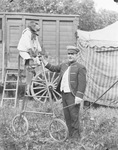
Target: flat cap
[{"x": 72, "y": 49}]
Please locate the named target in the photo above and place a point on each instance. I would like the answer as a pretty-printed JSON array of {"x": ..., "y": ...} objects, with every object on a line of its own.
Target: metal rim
[
  {"x": 20, "y": 125},
  {"x": 39, "y": 89},
  {"x": 58, "y": 130}
]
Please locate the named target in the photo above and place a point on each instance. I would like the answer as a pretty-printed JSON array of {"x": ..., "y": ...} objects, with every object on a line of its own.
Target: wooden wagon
[{"x": 57, "y": 31}]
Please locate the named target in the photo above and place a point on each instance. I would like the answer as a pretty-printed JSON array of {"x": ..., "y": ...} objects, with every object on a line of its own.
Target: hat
[{"x": 72, "y": 49}]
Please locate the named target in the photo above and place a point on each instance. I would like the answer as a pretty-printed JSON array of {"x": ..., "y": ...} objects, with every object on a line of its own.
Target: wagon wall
[{"x": 57, "y": 31}]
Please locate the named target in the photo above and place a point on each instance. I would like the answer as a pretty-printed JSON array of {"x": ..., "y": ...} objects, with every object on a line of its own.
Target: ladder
[{"x": 10, "y": 89}]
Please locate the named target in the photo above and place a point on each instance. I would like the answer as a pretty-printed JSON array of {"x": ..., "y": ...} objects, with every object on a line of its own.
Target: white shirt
[
  {"x": 25, "y": 43},
  {"x": 65, "y": 81}
]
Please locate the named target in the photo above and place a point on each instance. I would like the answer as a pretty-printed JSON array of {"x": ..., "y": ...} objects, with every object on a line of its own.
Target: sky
[{"x": 106, "y": 4}]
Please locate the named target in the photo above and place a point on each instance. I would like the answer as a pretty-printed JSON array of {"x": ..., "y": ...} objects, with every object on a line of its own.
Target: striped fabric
[{"x": 102, "y": 72}]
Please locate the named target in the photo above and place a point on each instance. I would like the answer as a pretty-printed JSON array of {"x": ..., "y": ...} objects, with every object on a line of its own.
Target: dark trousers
[{"x": 71, "y": 114}]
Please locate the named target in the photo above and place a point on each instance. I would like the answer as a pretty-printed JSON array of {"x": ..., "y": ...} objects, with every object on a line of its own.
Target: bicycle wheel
[
  {"x": 58, "y": 130},
  {"x": 20, "y": 125},
  {"x": 39, "y": 89}
]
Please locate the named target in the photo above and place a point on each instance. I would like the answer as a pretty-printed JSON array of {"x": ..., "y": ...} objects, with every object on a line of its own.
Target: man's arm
[
  {"x": 53, "y": 68},
  {"x": 81, "y": 86}
]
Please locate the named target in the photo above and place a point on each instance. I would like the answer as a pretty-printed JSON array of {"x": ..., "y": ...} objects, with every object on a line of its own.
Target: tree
[
  {"x": 105, "y": 18},
  {"x": 89, "y": 19},
  {"x": 116, "y": 1}
]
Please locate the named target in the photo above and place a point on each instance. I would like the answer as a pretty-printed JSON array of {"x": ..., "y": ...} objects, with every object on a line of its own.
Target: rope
[{"x": 101, "y": 96}]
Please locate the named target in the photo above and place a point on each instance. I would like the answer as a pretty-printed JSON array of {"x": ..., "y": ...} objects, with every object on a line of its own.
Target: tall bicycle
[{"x": 43, "y": 89}]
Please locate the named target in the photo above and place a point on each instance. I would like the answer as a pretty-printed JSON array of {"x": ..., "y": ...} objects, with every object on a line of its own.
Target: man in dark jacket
[{"x": 72, "y": 84}]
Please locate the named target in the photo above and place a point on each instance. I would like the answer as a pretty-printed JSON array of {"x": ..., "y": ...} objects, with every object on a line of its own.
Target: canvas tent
[{"x": 99, "y": 53}]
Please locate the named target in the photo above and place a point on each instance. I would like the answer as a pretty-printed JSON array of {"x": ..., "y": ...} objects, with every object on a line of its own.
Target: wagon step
[
  {"x": 12, "y": 81},
  {"x": 9, "y": 98},
  {"x": 10, "y": 89}
]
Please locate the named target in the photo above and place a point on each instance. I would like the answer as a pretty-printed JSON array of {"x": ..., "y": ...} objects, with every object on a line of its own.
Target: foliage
[
  {"x": 104, "y": 18},
  {"x": 89, "y": 19}
]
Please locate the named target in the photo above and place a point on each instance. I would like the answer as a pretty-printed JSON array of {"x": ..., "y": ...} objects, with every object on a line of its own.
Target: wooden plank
[
  {"x": 49, "y": 42},
  {"x": 41, "y": 32},
  {"x": 12, "y": 16},
  {"x": 1, "y": 35},
  {"x": 52, "y": 47},
  {"x": 63, "y": 50},
  {"x": 0, "y": 61},
  {"x": 14, "y": 21},
  {"x": 57, "y": 41},
  {"x": 23, "y": 24},
  {"x": 65, "y": 43},
  {"x": 13, "y": 58},
  {"x": 37, "y": 14},
  {"x": 49, "y": 28},
  {"x": 66, "y": 34},
  {"x": 14, "y": 29},
  {"x": 52, "y": 53},
  {"x": 66, "y": 23},
  {"x": 66, "y": 38},
  {"x": 0, "y": 23},
  {"x": 45, "y": 18},
  {"x": 31, "y": 17},
  {"x": 13, "y": 43},
  {"x": 13, "y": 34},
  {"x": 13, "y": 49},
  {"x": 49, "y": 38},
  {"x": 65, "y": 29},
  {"x": 3, "y": 46},
  {"x": 12, "y": 39},
  {"x": 49, "y": 22},
  {"x": 49, "y": 34}
]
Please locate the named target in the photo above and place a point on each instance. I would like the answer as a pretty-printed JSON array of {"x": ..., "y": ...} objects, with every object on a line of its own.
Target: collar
[{"x": 70, "y": 63}]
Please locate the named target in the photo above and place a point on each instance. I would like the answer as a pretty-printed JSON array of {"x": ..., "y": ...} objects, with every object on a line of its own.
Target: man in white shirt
[
  {"x": 72, "y": 84},
  {"x": 29, "y": 49}
]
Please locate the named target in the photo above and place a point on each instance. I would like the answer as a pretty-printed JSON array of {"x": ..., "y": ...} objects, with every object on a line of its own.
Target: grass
[{"x": 99, "y": 129}]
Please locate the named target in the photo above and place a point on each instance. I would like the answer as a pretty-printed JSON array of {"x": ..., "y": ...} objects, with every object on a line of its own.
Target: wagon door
[
  {"x": 57, "y": 33},
  {"x": 1, "y": 48},
  {"x": 67, "y": 37},
  {"x": 13, "y": 36}
]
